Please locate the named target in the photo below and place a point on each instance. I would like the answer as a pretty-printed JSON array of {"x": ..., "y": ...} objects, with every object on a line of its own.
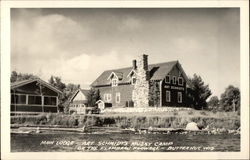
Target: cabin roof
[
  {"x": 18, "y": 84},
  {"x": 156, "y": 71}
]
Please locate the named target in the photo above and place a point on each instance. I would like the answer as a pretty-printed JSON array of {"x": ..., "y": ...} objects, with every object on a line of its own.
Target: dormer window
[
  {"x": 132, "y": 76},
  {"x": 114, "y": 78},
  {"x": 114, "y": 82},
  {"x": 133, "y": 80}
]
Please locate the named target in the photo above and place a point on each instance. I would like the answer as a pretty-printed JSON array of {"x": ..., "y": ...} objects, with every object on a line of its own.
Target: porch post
[{"x": 42, "y": 102}]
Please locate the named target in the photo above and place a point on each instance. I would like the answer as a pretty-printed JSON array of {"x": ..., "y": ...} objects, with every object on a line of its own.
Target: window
[
  {"x": 180, "y": 81},
  {"x": 118, "y": 97},
  {"x": 35, "y": 100},
  {"x": 174, "y": 80},
  {"x": 179, "y": 97},
  {"x": 114, "y": 82},
  {"x": 168, "y": 96},
  {"x": 167, "y": 80},
  {"x": 107, "y": 97},
  {"x": 133, "y": 81},
  {"x": 50, "y": 101},
  {"x": 18, "y": 99}
]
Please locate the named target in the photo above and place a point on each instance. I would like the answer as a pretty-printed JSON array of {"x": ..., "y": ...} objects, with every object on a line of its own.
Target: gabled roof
[
  {"x": 157, "y": 72},
  {"x": 117, "y": 74},
  {"x": 84, "y": 92},
  {"x": 38, "y": 80}
]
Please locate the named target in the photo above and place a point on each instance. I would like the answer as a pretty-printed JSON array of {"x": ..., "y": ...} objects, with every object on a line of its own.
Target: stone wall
[
  {"x": 144, "y": 110},
  {"x": 154, "y": 93},
  {"x": 141, "y": 88}
]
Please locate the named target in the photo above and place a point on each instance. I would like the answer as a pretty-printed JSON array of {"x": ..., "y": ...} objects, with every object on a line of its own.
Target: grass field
[{"x": 175, "y": 119}]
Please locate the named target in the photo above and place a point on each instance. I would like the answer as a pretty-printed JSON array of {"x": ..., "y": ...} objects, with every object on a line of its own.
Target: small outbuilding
[
  {"x": 102, "y": 105},
  {"x": 79, "y": 101},
  {"x": 34, "y": 95}
]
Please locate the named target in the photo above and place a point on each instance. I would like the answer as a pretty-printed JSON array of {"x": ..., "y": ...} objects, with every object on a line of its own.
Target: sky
[{"x": 79, "y": 44}]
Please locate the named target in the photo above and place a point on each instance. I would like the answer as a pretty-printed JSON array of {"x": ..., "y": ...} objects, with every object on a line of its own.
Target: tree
[
  {"x": 57, "y": 82},
  {"x": 13, "y": 77},
  {"x": 213, "y": 103},
  {"x": 71, "y": 89},
  {"x": 230, "y": 99},
  {"x": 21, "y": 76},
  {"x": 93, "y": 97},
  {"x": 68, "y": 92},
  {"x": 198, "y": 93}
]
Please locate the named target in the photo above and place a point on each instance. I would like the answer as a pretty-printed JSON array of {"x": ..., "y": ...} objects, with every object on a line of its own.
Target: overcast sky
[{"x": 79, "y": 44}]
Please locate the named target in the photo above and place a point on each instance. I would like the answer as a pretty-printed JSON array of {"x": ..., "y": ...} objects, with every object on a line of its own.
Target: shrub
[{"x": 203, "y": 113}]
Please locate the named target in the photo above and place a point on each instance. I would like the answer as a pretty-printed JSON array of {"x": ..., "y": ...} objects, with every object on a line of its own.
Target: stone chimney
[
  {"x": 134, "y": 64},
  {"x": 141, "y": 88}
]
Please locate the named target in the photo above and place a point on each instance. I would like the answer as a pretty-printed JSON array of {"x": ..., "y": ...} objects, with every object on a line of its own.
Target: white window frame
[
  {"x": 179, "y": 97},
  {"x": 181, "y": 81},
  {"x": 118, "y": 94},
  {"x": 114, "y": 82},
  {"x": 168, "y": 99},
  {"x": 109, "y": 98},
  {"x": 174, "y": 79},
  {"x": 166, "y": 79},
  {"x": 132, "y": 82}
]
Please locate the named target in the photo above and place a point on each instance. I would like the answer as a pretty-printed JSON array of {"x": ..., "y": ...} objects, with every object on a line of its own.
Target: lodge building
[{"x": 142, "y": 85}]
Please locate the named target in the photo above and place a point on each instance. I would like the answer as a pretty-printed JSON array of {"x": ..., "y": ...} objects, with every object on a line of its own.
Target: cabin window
[
  {"x": 167, "y": 80},
  {"x": 118, "y": 97},
  {"x": 18, "y": 99},
  {"x": 180, "y": 81},
  {"x": 168, "y": 96},
  {"x": 174, "y": 80},
  {"x": 50, "y": 101},
  {"x": 35, "y": 100},
  {"x": 114, "y": 82},
  {"x": 133, "y": 81},
  {"x": 179, "y": 97}
]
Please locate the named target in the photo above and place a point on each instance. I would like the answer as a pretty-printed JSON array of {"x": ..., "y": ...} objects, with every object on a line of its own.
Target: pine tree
[{"x": 198, "y": 93}]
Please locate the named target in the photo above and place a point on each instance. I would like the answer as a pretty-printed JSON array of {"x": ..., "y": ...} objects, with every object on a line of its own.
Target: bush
[{"x": 203, "y": 113}]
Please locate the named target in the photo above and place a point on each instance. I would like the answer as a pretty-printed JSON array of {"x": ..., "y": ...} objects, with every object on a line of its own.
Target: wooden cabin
[{"x": 34, "y": 95}]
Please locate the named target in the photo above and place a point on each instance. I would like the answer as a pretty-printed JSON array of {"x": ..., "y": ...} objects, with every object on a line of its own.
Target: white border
[{"x": 5, "y": 74}]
